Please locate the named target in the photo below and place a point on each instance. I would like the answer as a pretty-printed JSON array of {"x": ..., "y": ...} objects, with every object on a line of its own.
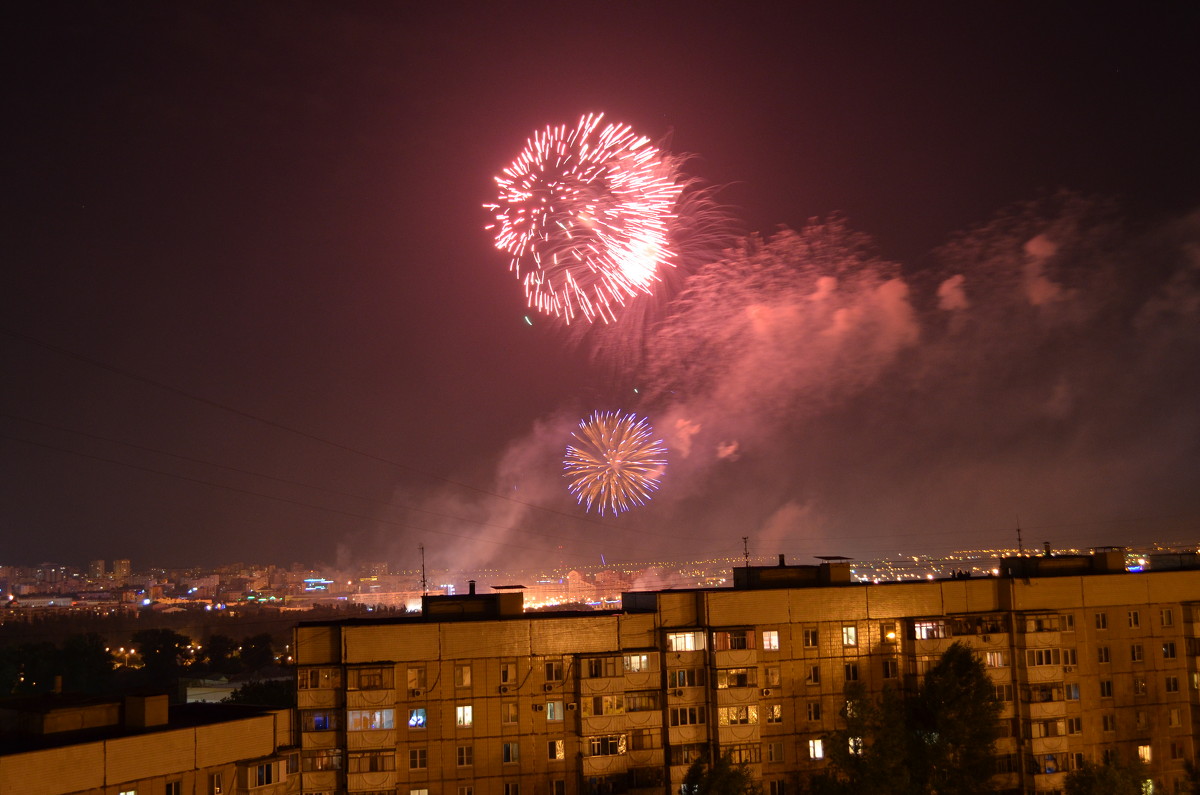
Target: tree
[
  {"x": 936, "y": 740},
  {"x": 257, "y": 652},
  {"x": 87, "y": 665},
  {"x": 279, "y": 693},
  {"x": 723, "y": 777},
  {"x": 219, "y": 651},
  {"x": 161, "y": 651},
  {"x": 1112, "y": 778}
]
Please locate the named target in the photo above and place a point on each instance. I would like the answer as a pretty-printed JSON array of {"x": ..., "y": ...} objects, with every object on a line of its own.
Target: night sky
[{"x": 250, "y": 311}]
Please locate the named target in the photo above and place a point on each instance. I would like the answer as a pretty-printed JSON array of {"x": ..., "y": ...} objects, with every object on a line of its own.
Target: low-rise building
[{"x": 56, "y": 745}]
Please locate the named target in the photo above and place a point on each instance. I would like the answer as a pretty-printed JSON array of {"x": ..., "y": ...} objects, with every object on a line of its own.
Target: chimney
[
  {"x": 781, "y": 559},
  {"x": 471, "y": 587}
]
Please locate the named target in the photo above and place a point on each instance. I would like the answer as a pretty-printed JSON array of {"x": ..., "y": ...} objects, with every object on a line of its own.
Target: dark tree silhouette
[
  {"x": 280, "y": 693},
  {"x": 257, "y": 652},
  {"x": 723, "y": 777},
  {"x": 938, "y": 739},
  {"x": 1113, "y": 778}
]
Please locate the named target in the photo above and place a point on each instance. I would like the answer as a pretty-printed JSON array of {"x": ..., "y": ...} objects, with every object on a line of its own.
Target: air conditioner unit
[
  {"x": 678, "y": 692},
  {"x": 1068, "y": 669},
  {"x": 571, "y": 706},
  {"x": 503, "y": 688},
  {"x": 539, "y": 707},
  {"x": 766, "y": 691},
  {"x": 547, "y": 687},
  {"x": 416, "y": 691}
]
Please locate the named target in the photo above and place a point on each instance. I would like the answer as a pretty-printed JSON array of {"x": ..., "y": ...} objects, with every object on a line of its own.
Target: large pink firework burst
[
  {"x": 615, "y": 461},
  {"x": 584, "y": 214}
]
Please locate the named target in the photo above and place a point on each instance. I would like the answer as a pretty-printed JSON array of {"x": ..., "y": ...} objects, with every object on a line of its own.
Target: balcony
[
  {"x": 604, "y": 765},
  {"x": 358, "y": 699},
  {"x": 729, "y": 696},
  {"x": 383, "y": 780},
  {"x": 383, "y": 738},
  {"x": 317, "y": 699},
  {"x": 735, "y": 658}
]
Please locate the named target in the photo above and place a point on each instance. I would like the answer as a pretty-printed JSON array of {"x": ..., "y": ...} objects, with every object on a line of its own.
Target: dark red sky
[{"x": 276, "y": 208}]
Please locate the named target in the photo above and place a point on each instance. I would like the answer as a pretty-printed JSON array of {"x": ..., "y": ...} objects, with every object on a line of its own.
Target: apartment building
[
  {"x": 57, "y": 745},
  {"x": 475, "y": 697}
]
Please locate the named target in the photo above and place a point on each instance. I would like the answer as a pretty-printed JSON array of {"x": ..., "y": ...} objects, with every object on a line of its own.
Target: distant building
[
  {"x": 476, "y": 697},
  {"x": 59, "y": 744},
  {"x": 96, "y": 570},
  {"x": 121, "y": 570}
]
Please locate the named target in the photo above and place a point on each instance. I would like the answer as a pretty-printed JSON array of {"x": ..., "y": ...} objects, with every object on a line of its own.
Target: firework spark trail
[
  {"x": 584, "y": 214},
  {"x": 615, "y": 463}
]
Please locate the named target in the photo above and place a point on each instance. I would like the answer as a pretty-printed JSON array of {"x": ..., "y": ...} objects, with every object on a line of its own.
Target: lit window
[
  {"x": 855, "y": 746},
  {"x": 370, "y": 719},
  {"x": 732, "y": 716},
  {"x": 1144, "y": 753},
  {"x": 416, "y": 718},
  {"x": 554, "y": 750},
  {"x": 770, "y": 640},
  {"x": 606, "y": 745},
  {"x": 554, "y": 710},
  {"x": 774, "y": 713},
  {"x": 685, "y": 641},
  {"x": 816, "y": 749},
  {"x": 995, "y": 659},
  {"x": 635, "y": 663},
  {"x": 463, "y": 715},
  {"x": 849, "y": 635}
]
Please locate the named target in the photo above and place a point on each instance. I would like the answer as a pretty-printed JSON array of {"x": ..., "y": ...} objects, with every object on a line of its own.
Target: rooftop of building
[{"x": 60, "y": 719}]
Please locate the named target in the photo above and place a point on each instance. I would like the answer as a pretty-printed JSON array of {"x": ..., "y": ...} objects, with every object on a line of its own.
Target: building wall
[
  {"x": 147, "y": 762},
  {"x": 767, "y": 680}
]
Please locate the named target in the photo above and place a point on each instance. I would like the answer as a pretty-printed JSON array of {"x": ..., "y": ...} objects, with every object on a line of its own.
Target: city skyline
[{"x": 254, "y": 307}]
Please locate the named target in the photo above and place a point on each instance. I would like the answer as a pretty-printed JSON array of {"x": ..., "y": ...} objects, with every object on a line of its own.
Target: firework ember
[
  {"x": 584, "y": 213},
  {"x": 615, "y": 462}
]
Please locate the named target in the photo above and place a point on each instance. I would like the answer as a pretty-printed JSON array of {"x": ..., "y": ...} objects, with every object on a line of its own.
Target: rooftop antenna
[
  {"x": 746, "y": 550},
  {"x": 424, "y": 584},
  {"x": 1020, "y": 545}
]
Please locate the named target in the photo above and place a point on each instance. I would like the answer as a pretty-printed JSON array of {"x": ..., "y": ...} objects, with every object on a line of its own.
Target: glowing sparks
[
  {"x": 615, "y": 462},
  {"x": 584, "y": 214}
]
